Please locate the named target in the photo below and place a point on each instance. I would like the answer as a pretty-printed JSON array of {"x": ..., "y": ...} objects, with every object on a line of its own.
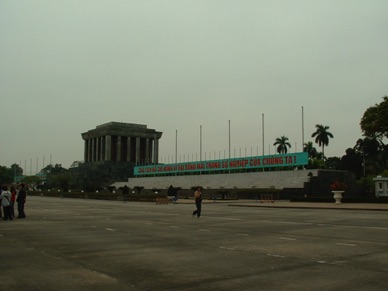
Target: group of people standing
[{"x": 8, "y": 199}]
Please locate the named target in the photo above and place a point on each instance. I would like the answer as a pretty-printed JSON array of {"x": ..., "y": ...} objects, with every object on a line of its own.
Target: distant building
[
  {"x": 111, "y": 151},
  {"x": 122, "y": 142}
]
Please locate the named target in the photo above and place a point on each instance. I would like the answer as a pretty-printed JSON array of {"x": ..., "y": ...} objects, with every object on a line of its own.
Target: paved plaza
[{"x": 77, "y": 244}]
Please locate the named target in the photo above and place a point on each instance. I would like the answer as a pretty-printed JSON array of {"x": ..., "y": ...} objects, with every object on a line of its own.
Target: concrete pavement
[
  {"x": 79, "y": 244},
  {"x": 301, "y": 205}
]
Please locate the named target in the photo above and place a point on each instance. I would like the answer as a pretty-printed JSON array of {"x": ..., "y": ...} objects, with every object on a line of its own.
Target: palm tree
[
  {"x": 322, "y": 136},
  {"x": 282, "y": 144},
  {"x": 310, "y": 149}
]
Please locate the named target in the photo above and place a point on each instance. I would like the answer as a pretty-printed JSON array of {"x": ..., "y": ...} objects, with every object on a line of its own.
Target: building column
[
  {"x": 151, "y": 151},
  {"x": 102, "y": 148},
  {"x": 147, "y": 150},
  {"x": 97, "y": 149},
  {"x": 137, "y": 150},
  {"x": 156, "y": 151},
  {"x": 93, "y": 149},
  {"x": 118, "y": 149},
  {"x": 108, "y": 146},
  {"x": 89, "y": 150},
  {"x": 128, "y": 149},
  {"x": 86, "y": 151}
]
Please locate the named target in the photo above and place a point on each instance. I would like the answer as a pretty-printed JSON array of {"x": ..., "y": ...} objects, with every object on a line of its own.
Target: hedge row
[
  {"x": 98, "y": 195},
  {"x": 343, "y": 200}
]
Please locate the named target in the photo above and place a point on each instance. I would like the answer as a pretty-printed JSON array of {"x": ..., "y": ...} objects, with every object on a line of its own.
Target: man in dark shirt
[{"x": 21, "y": 200}]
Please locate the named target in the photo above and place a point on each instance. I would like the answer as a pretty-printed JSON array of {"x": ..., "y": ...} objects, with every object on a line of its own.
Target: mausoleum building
[
  {"x": 122, "y": 142},
  {"x": 112, "y": 150}
]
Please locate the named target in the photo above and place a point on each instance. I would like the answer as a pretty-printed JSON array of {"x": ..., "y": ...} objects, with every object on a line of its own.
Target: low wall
[{"x": 275, "y": 179}]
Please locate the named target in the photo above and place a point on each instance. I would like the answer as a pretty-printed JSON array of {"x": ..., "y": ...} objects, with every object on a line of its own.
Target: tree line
[{"x": 369, "y": 154}]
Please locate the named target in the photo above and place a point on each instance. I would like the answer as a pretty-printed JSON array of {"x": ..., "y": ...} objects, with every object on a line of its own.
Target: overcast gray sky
[{"x": 68, "y": 66}]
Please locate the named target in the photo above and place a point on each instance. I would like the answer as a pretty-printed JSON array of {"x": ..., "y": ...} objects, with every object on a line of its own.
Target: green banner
[{"x": 258, "y": 162}]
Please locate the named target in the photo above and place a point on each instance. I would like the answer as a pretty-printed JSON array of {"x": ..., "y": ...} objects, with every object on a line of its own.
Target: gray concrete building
[
  {"x": 122, "y": 142},
  {"x": 111, "y": 151}
]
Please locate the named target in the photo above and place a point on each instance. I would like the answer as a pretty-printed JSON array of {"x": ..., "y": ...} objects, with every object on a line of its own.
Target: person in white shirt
[{"x": 5, "y": 197}]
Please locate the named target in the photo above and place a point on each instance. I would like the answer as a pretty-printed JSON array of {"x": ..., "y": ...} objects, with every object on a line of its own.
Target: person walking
[
  {"x": 198, "y": 202},
  {"x": 5, "y": 197},
  {"x": 21, "y": 200}
]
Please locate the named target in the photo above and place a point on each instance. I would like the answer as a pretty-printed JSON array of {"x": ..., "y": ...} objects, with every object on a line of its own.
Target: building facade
[{"x": 122, "y": 142}]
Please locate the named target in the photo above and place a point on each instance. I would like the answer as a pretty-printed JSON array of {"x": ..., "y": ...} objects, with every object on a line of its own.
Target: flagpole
[
  {"x": 176, "y": 146},
  {"x": 229, "y": 138},
  {"x": 229, "y": 146},
  {"x": 302, "y": 129},
  {"x": 200, "y": 143},
  {"x": 262, "y": 130}
]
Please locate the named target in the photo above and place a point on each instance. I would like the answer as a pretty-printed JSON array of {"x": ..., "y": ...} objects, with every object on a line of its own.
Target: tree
[
  {"x": 352, "y": 162},
  {"x": 138, "y": 188},
  {"x": 333, "y": 163},
  {"x": 50, "y": 169},
  {"x": 322, "y": 136},
  {"x": 374, "y": 125},
  {"x": 282, "y": 144},
  {"x": 310, "y": 149},
  {"x": 57, "y": 176},
  {"x": 6, "y": 175},
  {"x": 59, "y": 180},
  {"x": 31, "y": 180},
  {"x": 374, "y": 122},
  {"x": 317, "y": 164},
  {"x": 368, "y": 146},
  {"x": 17, "y": 170},
  {"x": 124, "y": 190}
]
